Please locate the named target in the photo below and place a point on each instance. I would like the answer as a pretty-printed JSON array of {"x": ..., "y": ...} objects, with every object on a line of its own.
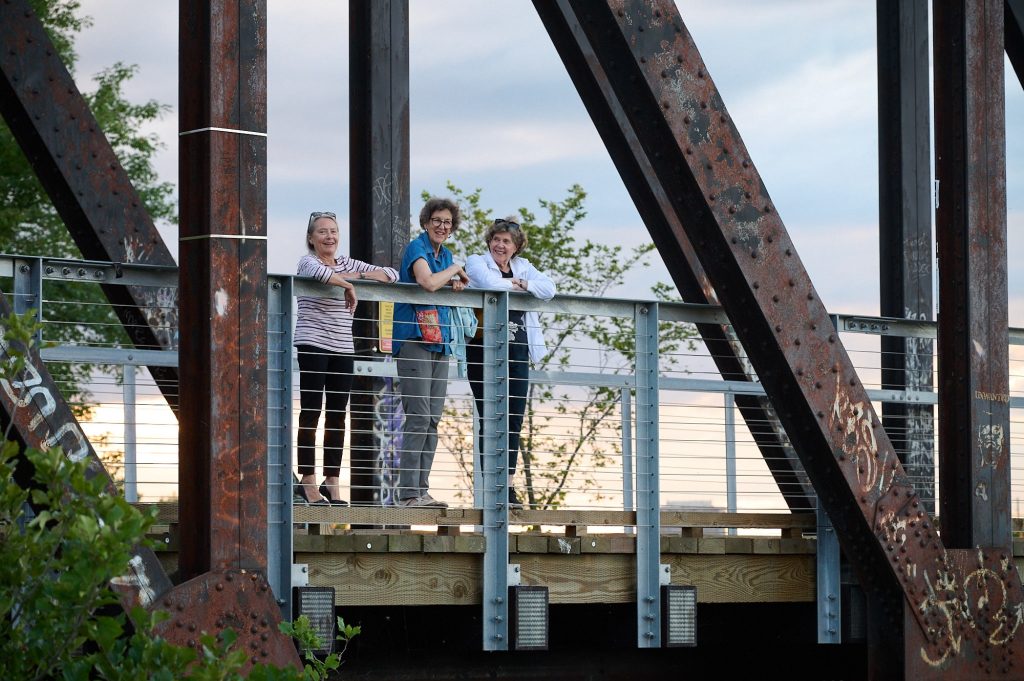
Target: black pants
[
  {"x": 518, "y": 384},
  {"x": 319, "y": 371}
]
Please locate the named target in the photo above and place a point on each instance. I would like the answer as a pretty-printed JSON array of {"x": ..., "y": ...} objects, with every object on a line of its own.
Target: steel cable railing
[{"x": 579, "y": 431}]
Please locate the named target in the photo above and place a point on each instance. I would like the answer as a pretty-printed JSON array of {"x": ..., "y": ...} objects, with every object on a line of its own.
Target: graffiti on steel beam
[
  {"x": 137, "y": 580},
  {"x": 28, "y": 389},
  {"x": 42, "y": 420},
  {"x": 978, "y": 608},
  {"x": 875, "y": 469}
]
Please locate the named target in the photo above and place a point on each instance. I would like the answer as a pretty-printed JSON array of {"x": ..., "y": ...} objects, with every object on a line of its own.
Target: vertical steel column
[
  {"x": 905, "y": 229},
  {"x": 648, "y": 504},
  {"x": 223, "y": 285},
  {"x": 495, "y": 465},
  {"x": 131, "y": 471},
  {"x": 279, "y": 441},
  {"x": 970, "y": 148},
  {"x": 828, "y": 581},
  {"x": 379, "y": 191}
]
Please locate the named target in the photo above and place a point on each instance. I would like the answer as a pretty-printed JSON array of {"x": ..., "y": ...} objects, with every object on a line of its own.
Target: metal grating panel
[
  {"x": 679, "y": 616},
  {"x": 317, "y": 603},
  {"x": 529, "y": 617}
]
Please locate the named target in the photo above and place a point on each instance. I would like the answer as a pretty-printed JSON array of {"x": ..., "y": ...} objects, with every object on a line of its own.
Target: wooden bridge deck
[{"x": 417, "y": 556}]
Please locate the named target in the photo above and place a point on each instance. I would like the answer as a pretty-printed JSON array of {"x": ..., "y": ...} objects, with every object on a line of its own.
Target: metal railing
[{"x": 627, "y": 411}]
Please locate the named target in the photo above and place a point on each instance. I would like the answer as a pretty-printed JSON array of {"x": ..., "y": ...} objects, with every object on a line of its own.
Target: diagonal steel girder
[
  {"x": 667, "y": 232},
  {"x": 654, "y": 68},
  {"x": 88, "y": 186},
  {"x": 1013, "y": 35},
  {"x": 32, "y": 405}
]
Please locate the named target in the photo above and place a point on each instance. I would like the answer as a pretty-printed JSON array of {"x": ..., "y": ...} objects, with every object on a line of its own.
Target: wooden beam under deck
[{"x": 403, "y": 567}]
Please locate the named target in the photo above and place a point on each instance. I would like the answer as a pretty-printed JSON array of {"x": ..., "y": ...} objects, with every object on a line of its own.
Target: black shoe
[
  {"x": 324, "y": 490},
  {"x": 300, "y": 493},
  {"x": 513, "y": 500}
]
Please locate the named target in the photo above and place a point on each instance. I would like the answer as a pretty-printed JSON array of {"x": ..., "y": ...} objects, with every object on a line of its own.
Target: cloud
[{"x": 507, "y": 145}]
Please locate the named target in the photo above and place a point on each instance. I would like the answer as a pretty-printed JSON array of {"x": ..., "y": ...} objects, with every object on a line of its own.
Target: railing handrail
[{"x": 162, "y": 275}]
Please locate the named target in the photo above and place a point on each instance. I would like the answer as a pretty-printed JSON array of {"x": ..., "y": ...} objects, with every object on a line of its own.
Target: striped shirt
[{"x": 326, "y": 322}]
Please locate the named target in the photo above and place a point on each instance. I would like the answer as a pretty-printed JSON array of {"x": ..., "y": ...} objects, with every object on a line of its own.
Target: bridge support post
[
  {"x": 279, "y": 441},
  {"x": 494, "y": 459},
  {"x": 648, "y": 506}
]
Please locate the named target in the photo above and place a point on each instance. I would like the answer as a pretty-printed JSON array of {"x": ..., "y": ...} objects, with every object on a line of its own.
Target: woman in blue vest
[{"x": 421, "y": 344}]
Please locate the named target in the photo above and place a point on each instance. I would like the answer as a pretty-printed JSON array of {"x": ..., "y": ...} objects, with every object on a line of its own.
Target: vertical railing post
[
  {"x": 28, "y": 288},
  {"x": 279, "y": 441},
  {"x": 730, "y": 454},
  {"x": 648, "y": 520},
  {"x": 495, "y": 465},
  {"x": 131, "y": 473},
  {"x": 829, "y": 606},
  {"x": 627, "y": 450}
]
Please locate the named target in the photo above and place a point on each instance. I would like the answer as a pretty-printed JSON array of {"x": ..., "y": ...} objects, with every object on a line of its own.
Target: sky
[{"x": 493, "y": 108}]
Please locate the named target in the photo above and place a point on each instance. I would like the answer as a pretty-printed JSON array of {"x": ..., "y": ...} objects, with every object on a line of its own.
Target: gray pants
[{"x": 424, "y": 384}]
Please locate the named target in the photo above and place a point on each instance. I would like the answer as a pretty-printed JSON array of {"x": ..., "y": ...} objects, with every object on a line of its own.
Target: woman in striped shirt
[{"x": 323, "y": 337}]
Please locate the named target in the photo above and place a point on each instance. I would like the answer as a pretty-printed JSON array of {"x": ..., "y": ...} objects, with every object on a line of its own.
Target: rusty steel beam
[
  {"x": 970, "y": 154},
  {"x": 88, "y": 186},
  {"x": 223, "y": 283},
  {"x": 656, "y": 71},
  {"x": 379, "y": 195},
  {"x": 1013, "y": 21},
  {"x": 32, "y": 406},
  {"x": 667, "y": 232},
  {"x": 905, "y": 230}
]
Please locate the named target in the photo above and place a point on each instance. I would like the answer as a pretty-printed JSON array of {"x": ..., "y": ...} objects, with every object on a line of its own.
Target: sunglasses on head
[
  {"x": 502, "y": 222},
  {"x": 317, "y": 214}
]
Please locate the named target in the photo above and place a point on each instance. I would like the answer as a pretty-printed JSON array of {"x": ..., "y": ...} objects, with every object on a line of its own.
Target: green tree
[
  {"x": 568, "y": 434},
  {"x": 29, "y": 224}
]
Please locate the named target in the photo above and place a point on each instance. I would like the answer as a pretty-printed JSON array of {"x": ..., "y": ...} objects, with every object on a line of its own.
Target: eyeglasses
[
  {"x": 317, "y": 214},
  {"x": 502, "y": 222},
  {"x": 438, "y": 222}
]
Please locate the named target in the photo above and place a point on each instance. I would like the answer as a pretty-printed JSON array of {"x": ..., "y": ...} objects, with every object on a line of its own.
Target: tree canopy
[{"x": 29, "y": 223}]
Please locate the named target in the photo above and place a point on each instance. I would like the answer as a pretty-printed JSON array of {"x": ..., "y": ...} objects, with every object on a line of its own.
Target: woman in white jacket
[{"x": 501, "y": 268}]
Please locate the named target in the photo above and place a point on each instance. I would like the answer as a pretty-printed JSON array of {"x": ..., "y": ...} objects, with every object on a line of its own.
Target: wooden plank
[
  {"x": 397, "y": 578},
  {"x": 739, "y": 544},
  {"x": 766, "y": 545},
  {"x": 738, "y": 520},
  {"x": 673, "y": 544},
  {"x": 612, "y": 543},
  {"x": 167, "y": 512},
  {"x": 571, "y": 517},
  {"x": 405, "y": 543},
  {"x": 438, "y": 544},
  {"x": 530, "y": 543},
  {"x": 746, "y": 579},
  {"x": 583, "y": 578},
  {"x": 385, "y": 515},
  {"x": 448, "y": 578},
  {"x": 711, "y": 545}
]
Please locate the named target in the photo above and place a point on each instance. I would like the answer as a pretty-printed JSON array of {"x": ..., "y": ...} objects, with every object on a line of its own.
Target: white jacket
[{"x": 484, "y": 273}]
